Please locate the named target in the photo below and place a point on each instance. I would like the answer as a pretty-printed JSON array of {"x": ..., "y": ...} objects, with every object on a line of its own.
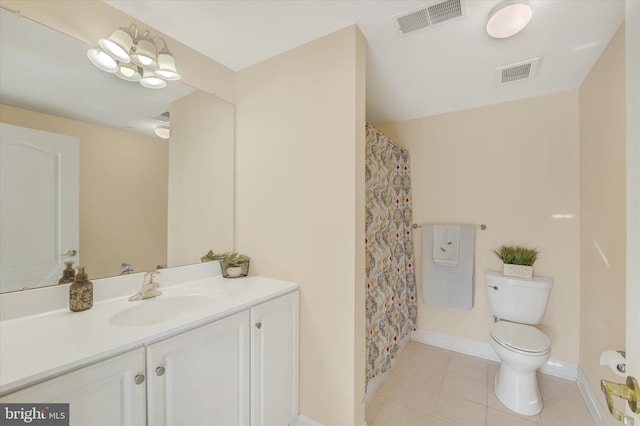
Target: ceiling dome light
[
  {"x": 151, "y": 81},
  {"x": 102, "y": 60},
  {"x": 162, "y": 132},
  {"x": 167, "y": 66},
  {"x": 128, "y": 72},
  {"x": 118, "y": 45},
  {"x": 508, "y": 18}
]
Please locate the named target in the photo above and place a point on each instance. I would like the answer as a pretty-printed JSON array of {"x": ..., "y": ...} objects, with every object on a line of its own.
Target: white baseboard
[
  {"x": 599, "y": 413},
  {"x": 303, "y": 420},
  {"x": 554, "y": 367}
]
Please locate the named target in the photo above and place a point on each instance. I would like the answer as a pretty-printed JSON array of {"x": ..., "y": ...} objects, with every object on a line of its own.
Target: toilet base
[{"x": 518, "y": 391}]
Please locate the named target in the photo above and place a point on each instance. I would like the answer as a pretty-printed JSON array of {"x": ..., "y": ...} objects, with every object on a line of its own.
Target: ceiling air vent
[
  {"x": 428, "y": 16},
  {"x": 524, "y": 70}
]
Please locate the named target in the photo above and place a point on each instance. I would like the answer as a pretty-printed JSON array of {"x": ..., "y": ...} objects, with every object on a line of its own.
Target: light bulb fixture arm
[
  {"x": 132, "y": 30},
  {"x": 164, "y": 49},
  {"x": 146, "y": 35}
]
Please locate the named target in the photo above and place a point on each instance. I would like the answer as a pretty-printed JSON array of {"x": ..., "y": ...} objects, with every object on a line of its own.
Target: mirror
[{"x": 127, "y": 211}]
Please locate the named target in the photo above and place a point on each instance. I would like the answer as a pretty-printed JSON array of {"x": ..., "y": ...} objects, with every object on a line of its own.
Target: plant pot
[
  {"x": 518, "y": 271},
  {"x": 235, "y": 271}
]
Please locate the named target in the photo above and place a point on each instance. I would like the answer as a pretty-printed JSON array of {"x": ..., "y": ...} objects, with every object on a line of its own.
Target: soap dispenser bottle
[
  {"x": 68, "y": 275},
  {"x": 81, "y": 292}
]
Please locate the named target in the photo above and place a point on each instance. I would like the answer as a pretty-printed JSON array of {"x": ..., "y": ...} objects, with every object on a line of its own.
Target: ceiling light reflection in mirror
[
  {"x": 55, "y": 77},
  {"x": 134, "y": 57}
]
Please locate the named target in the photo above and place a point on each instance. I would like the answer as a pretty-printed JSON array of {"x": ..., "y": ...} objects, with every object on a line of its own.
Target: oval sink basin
[{"x": 159, "y": 309}]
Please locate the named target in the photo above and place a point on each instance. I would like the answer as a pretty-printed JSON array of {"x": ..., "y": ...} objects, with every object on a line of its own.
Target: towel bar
[{"x": 482, "y": 226}]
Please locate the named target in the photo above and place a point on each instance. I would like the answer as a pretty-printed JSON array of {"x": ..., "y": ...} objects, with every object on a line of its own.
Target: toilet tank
[{"x": 519, "y": 300}]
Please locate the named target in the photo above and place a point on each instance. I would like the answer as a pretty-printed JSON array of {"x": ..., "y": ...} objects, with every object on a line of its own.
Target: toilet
[{"x": 517, "y": 303}]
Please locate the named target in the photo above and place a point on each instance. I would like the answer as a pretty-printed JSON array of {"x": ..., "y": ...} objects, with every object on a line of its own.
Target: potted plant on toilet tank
[{"x": 517, "y": 261}]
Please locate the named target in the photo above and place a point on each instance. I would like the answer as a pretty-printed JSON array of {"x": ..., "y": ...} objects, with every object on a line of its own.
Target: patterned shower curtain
[{"x": 391, "y": 287}]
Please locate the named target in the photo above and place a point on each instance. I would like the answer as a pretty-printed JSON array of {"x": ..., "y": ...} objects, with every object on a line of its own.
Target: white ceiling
[{"x": 447, "y": 67}]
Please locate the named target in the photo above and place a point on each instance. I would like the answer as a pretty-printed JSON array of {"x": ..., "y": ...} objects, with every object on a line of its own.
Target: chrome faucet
[{"x": 149, "y": 287}]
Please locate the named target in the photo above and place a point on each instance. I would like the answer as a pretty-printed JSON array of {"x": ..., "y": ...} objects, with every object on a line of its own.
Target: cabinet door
[
  {"x": 274, "y": 361},
  {"x": 102, "y": 394},
  {"x": 201, "y": 377}
]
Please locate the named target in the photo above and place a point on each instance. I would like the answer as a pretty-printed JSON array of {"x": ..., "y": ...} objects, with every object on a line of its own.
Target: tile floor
[{"x": 429, "y": 386}]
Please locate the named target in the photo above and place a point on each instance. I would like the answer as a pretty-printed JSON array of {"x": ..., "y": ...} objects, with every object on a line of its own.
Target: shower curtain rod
[{"x": 482, "y": 226}]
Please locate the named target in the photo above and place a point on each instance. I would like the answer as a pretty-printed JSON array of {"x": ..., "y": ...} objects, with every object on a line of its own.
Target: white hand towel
[
  {"x": 449, "y": 285},
  {"x": 446, "y": 242}
]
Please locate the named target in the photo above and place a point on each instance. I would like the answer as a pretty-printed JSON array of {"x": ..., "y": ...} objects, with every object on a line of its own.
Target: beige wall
[
  {"x": 123, "y": 192},
  {"x": 91, "y": 20},
  {"x": 602, "y": 211},
  {"x": 300, "y": 206},
  {"x": 200, "y": 178},
  {"x": 511, "y": 166}
]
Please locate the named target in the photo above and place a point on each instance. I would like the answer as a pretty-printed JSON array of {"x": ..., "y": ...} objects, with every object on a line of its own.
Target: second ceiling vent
[
  {"x": 524, "y": 70},
  {"x": 428, "y": 16}
]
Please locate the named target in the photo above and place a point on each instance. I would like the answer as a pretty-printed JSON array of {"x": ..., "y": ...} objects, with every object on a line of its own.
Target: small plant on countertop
[
  {"x": 234, "y": 259},
  {"x": 211, "y": 256},
  {"x": 233, "y": 265},
  {"x": 516, "y": 255}
]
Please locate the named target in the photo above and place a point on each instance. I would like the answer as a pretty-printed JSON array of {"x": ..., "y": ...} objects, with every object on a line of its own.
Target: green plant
[
  {"x": 211, "y": 256},
  {"x": 234, "y": 259},
  {"x": 227, "y": 260},
  {"x": 516, "y": 255}
]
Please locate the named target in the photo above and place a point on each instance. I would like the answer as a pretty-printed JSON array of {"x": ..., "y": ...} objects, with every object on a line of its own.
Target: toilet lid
[{"x": 520, "y": 337}]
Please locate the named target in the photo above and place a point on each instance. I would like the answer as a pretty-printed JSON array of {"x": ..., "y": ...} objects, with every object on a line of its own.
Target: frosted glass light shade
[
  {"x": 508, "y": 18},
  {"x": 151, "y": 81},
  {"x": 144, "y": 54},
  {"x": 128, "y": 72},
  {"x": 102, "y": 60},
  {"x": 167, "y": 66},
  {"x": 118, "y": 45}
]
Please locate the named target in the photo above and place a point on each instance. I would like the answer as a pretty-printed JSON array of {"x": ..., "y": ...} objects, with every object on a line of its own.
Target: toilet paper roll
[{"x": 615, "y": 361}]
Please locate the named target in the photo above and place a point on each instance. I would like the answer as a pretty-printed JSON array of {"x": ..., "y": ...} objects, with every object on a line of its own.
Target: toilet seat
[{"x": 520, "y": 338}]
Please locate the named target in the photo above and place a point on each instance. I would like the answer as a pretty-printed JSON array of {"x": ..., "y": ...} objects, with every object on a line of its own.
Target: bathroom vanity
[{"x": 207, "y": 351}]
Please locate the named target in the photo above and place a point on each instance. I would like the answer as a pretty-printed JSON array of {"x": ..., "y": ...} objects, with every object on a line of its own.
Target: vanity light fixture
[
  {"x": 166, "y": 64},
  {"x": 128, "y": 72},
  {"x": 102, "y": 60},
  {"x": 151, "y": 81},
  {"x": 134, "y": 57},
  {"x": 144, "y": 54},
  {"x": 508, "y": 18},
  {"x": 118, "y": 44}
]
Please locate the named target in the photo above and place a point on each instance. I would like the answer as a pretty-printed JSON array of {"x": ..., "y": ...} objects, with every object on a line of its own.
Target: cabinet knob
[
  {"x": 139, "y": 379},
  {"x": 159, "y": 371},
  {"x": 259, "y": 325}
]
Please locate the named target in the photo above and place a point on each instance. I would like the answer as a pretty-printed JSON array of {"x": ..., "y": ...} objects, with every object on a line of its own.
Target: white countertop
[{"x": 42, "y": 345}]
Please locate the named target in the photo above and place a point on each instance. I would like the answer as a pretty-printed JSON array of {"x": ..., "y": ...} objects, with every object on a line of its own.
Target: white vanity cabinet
[
  {"x": 240, "y": 369},
  {"x": 201, "y": 376},
  {"x": 106, "y": 393},
  {"x": 274, "y": 361}
]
